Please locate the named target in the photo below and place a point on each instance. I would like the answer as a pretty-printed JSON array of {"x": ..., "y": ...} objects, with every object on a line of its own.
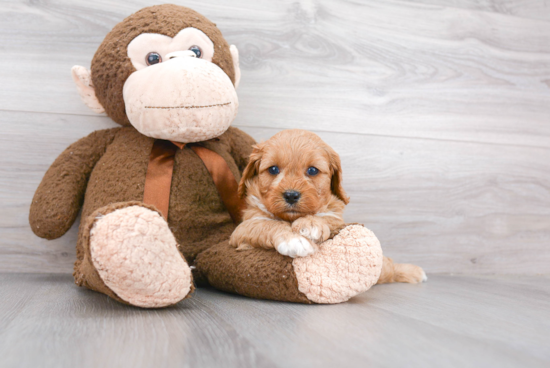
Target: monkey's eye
[
  {"x": 312, "y": 171},
  {"x": 197, "y": 50},
  {"x": 153, "y": 58},
  {"x": 273, "y": 170}
]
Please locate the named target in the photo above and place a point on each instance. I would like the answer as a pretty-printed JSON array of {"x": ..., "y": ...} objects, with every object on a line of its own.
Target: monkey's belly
[{"x": 196, "y": 213}]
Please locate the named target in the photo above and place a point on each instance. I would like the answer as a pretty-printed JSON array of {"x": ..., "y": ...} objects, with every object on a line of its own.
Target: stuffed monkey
[{"x": 158, "y": 194}]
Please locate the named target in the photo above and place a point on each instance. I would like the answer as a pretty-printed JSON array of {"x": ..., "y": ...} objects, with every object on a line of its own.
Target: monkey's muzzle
[{"x": 183, "y": 99}]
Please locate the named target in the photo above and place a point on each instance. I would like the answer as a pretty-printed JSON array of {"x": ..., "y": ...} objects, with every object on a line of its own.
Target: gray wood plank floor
[{"x": 451, "y": 321}]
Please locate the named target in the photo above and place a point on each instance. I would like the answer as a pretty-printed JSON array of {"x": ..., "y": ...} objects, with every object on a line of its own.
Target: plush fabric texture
[
  {"x": 137, "y": 257},
  {"x": 256, "y": 273},
  {"x": 235, "y": 56},
  {"x": 87, "y": 275},
  {"x": 345, "y": 266},
  {"x": 60, "y": 195},
  {"x": 109, "y": 166},
  {"x": 184, "y": 99},
  {"x": 196, "y": 213},
  {"x": 111, "y": 65},
  {"x": 83, "y": 80}
]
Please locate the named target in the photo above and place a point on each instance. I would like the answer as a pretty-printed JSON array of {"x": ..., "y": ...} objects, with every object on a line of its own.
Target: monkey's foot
[
  {"x": 345, "y": 266},
  {"x": 136, "y": 256}
]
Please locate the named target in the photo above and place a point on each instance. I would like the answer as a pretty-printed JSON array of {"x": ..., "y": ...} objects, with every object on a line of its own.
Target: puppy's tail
[{"x": 401, "y": 272}]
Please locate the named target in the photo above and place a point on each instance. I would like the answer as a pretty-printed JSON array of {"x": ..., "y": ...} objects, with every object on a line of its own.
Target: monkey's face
[
  {"x": 176, "y": 92},
  {"x": 166, "y": 70}
]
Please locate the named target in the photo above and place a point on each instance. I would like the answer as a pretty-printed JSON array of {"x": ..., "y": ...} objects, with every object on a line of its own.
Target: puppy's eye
[
  {"x": 153, "y": 58},
  {"x": 273, "y": 170},
  {"x": 312, "y": 171},
  {"x": 197, "y": 50}
]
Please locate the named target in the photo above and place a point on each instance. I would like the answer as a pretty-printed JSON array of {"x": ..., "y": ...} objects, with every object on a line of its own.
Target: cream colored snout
[
  {"x": 183, "y": 99},
  {"x": 176, "y": 54}
]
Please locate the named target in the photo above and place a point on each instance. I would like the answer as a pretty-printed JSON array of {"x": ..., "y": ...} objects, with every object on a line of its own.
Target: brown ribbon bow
[{"x": 158, "y": 179}]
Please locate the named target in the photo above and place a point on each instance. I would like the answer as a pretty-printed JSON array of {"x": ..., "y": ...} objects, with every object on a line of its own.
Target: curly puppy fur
[
  {"x": 293, "y": 227},
  {"x": 296, "y": 228}
]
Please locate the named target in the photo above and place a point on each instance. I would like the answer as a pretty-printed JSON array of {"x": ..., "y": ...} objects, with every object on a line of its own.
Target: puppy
[
  {"x": 295, "y": 200},
  {"x": 294, "y": 195}
]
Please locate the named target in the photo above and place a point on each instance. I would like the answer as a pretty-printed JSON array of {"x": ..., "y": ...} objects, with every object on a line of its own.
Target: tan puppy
[{"x": 295, "y": 200}]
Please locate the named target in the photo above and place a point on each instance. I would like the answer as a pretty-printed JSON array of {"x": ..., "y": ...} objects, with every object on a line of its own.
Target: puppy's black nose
[{"x": 291, "y": 196}]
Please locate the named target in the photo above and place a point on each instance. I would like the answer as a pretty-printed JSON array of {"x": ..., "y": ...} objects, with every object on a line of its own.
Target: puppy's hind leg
[{"x": 401, "y": 272}]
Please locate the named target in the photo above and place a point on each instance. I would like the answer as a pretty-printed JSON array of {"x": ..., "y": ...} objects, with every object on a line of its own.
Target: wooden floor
[{"x": 450, "y": 321}]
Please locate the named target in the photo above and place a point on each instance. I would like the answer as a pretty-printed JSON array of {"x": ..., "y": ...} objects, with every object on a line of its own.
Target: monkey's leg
[
  {"x": 131, "y": 255},
  {"x": 401, "y": 272},
  {"x": 345, "y": 266}
]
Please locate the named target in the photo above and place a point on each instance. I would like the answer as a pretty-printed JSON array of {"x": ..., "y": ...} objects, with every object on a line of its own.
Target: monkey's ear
[
  {"x": 252, "y": 168},
  {"x": 83, "y": 80},
  {"x": 235, "y": 56}
]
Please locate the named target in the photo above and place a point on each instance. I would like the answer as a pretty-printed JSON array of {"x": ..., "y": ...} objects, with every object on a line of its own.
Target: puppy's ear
[
  {"x": 336, "y": 180},
  {"x": 252, "y": 168}
]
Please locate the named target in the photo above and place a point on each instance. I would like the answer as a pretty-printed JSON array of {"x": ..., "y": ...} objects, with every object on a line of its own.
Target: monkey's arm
[
  {"x": 60, "y": 195},
  {"x": 241, "y": 146}
]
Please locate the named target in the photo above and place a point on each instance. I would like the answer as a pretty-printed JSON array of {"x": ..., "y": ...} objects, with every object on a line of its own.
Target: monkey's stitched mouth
[{"x": 188, "y": 107}]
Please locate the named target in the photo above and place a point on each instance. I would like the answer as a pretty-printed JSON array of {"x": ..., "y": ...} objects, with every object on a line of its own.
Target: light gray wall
[{"x": 439, "y": 109}]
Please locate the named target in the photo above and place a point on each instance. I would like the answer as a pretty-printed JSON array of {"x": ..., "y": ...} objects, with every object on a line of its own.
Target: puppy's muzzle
[{"x": 291, "y": 196}]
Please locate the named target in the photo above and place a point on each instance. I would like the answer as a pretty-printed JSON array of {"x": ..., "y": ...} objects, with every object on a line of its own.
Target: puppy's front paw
[
  {"x": 296, "y": 246},
  {"x": 238, "y": 240},
  {"x": 312, "y": 228},
  {"x": 234, "y": 240},
  {"x": 244, "y": 246}
]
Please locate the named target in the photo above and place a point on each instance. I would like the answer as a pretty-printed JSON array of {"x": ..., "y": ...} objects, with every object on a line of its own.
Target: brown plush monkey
[{"x": 158, "y": 194}]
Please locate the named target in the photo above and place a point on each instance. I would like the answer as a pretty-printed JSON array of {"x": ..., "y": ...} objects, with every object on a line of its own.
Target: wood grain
[
  {"x": 448, "y": 206},
  {"x": 47, "y": 321},
  {"x": 439, "y": 109},
  {"x": 369, "y": 66},
  {"x": 533, "y": 9}
]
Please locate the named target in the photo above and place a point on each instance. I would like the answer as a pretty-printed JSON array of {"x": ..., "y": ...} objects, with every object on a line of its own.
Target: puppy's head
[{"x": 295, "y": 173}]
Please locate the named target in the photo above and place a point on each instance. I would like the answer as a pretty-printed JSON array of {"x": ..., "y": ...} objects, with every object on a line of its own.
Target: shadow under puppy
[{"x": 295, "y": 200}]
